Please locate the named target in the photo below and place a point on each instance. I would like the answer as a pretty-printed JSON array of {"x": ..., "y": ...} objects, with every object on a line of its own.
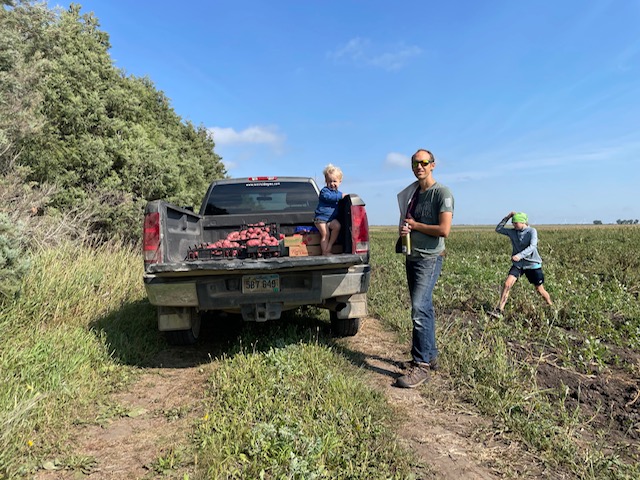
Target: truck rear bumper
[{"x": 224, "y": 292}]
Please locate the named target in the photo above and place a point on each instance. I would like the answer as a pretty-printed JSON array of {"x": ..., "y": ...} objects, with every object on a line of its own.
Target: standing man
[{"x": 426, "y": 212}]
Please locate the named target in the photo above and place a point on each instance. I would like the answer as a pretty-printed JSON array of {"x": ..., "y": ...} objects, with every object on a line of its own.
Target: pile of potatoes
[{"x": 235, "y": 244}]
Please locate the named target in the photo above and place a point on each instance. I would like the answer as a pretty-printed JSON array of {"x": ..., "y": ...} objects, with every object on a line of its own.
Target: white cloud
[
  {"x": 362, "y": 52},
  {"x": 268, "y": 135},
  {"x": 229, "y": 164},
  {"x": 354, "y": 49},
  {"x": 394, "y": 159},
  {"x": 395, "y": 60}
]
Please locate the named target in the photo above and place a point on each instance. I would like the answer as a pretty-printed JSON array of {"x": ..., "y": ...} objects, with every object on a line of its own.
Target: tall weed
[{"x": 55, "y": 358}]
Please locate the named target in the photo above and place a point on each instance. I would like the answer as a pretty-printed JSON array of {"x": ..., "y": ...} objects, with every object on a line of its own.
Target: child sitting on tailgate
[{"x": 327, "y": 209}]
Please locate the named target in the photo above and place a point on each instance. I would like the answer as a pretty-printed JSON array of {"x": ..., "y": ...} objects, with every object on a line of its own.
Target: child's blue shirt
[{"x": 327, "y": 208}]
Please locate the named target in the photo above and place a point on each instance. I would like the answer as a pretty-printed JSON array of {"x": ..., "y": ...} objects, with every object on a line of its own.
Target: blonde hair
[{"x": 332, "y": 169}]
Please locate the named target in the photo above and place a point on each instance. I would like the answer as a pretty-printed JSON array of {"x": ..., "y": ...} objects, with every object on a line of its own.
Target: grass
[
  {"x": 81, "y": 330},
  {"x": 281, "y": 402},
  {"x": 594, "y": 280},
  {"x": 55, "y": 364},
  {"x": 296, "y": 410}
]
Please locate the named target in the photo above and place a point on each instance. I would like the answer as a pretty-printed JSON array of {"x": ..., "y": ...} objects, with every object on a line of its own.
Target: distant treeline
[
  {"x": 85, "y": 134},
  {"x": 619, "y": 222}
]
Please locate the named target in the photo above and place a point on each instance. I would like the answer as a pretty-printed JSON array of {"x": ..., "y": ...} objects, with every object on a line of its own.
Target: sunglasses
[{"x": 424, "y": 163}]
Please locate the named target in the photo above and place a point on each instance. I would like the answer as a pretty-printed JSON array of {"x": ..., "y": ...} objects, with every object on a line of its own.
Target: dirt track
[{"x": 452, "y": 443}]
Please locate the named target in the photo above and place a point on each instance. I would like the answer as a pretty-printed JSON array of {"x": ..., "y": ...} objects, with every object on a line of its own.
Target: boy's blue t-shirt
[{"x": 327, "y": 208}]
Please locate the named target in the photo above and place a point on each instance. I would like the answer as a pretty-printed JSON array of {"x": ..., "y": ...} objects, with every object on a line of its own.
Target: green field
[
  {"x": 561, "y": 380},
  {"x": 566, "y": 378}
]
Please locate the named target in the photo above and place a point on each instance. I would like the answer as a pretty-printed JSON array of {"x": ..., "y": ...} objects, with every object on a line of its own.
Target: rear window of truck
[{"x": 261, "y": 196}]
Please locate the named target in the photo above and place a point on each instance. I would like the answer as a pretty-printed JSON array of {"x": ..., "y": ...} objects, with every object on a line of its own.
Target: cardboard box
[
  {"x": 292, "y": 240},
  {"x": 312, "y": 238},
  {"x": 304, "y": 250}
]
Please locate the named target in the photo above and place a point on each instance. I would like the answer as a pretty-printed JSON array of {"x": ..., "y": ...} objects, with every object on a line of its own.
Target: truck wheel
[
  {"x": 343, "y": 327},
  {"x": 186, "y": 337}
]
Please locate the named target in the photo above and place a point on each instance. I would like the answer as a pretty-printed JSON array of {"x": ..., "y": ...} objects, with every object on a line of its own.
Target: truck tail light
[
  {"x": 359, "y": 229},
  {"x": 151, "y": 238}
]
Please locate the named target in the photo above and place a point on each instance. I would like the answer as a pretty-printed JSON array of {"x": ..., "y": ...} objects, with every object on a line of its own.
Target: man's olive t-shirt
[{"x": 433, "y": 201}]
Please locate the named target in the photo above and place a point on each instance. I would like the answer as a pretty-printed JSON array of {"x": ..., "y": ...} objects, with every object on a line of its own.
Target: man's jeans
[{"x": 422, "y": 276}]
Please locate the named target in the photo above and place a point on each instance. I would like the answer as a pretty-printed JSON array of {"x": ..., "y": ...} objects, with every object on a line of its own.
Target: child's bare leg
[
  {"x": 543, "y": 292},
  {"x": 323, "y": 229},
  {"x": 334, "y": 228},
  {"x": 509, "y": 282}
]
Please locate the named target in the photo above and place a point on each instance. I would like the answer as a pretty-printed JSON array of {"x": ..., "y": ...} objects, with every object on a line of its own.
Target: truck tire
[
  {"x": 186, "y": 337},
  {"x": 343, "y": 327}
]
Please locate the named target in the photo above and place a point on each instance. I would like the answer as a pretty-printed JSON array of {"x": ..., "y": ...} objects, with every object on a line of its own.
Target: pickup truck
[{"x": 189, "y": 287}]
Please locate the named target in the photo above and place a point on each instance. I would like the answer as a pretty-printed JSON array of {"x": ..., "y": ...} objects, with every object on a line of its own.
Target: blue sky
[{"x": 530, "y": 106}]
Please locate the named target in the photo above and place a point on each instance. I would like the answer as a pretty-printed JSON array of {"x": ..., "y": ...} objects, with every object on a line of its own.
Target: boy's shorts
[
  {"x": 325, "y": 220},
  {"x": 534, "y": 275}
]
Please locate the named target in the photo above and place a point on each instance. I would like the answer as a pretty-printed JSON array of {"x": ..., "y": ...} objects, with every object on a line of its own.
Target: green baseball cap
[{"x": 520, "y": 217}]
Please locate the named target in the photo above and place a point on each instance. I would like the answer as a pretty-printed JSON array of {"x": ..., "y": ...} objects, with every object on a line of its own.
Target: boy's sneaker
[
  {"x": 416, "y": 375},
  {"x": 407, "y": 364},
  {"x": 495, "y": 313}
]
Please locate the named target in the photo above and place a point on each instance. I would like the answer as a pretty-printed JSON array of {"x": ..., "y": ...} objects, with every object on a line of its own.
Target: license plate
[{"x": 260, "y": 283}]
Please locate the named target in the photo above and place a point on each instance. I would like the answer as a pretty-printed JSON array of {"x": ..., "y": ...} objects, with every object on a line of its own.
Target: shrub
[{"x": 14, "y": 261}]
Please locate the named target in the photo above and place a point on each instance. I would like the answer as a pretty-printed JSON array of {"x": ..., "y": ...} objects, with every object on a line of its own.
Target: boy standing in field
[
  {"x": 327, "y": 210},
  {"x": 524, "y": 256}
]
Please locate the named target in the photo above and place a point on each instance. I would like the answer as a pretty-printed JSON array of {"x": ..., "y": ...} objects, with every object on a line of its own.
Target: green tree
[
  {"x": 108, "y": 141},
  {"x": 21, "y": 73}
]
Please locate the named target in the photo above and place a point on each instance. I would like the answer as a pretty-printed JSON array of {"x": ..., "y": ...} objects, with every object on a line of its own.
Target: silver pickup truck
[{"x": 185, "y": 284}]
